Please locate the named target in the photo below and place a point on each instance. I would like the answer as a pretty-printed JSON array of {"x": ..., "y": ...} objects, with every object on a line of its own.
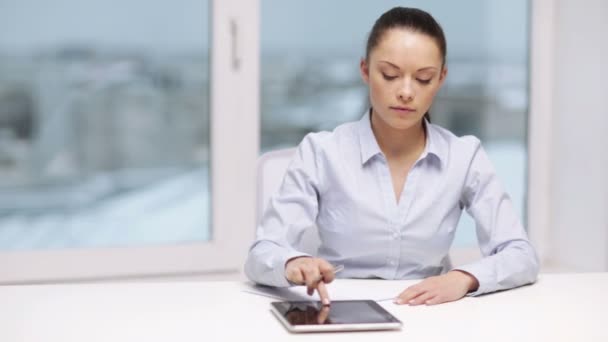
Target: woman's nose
[{"x": 406, "y": 93}]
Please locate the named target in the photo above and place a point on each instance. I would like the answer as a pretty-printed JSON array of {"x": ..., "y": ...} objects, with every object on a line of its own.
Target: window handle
[{"x": 235, "y": 53}]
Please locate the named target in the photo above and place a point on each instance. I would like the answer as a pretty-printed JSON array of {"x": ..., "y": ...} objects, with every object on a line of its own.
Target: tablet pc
[{"x": 341, "y": 315}]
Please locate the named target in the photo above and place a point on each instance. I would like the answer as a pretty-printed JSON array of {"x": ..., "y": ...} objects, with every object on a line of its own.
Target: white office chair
[{"x": 271, "y": 170}]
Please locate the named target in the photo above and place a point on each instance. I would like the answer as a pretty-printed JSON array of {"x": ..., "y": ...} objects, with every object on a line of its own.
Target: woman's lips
[{"x": 403, "y": 109}]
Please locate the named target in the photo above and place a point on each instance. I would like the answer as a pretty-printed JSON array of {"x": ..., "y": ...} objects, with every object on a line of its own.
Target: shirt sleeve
[
  {"x": 290, "y": 211},
  {"x": 509, "y": 260}
]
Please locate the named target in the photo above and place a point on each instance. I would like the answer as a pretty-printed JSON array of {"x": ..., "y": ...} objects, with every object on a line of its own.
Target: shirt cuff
[
  {"x": 483, "y": 272},
  {"x": 279, "y": 268}
]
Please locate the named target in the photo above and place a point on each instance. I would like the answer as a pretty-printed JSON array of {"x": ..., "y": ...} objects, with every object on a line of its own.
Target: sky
[{"x": 473, "y": 27}]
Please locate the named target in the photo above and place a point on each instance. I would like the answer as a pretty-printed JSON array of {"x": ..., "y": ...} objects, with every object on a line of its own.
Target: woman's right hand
[{"x": 312, "y": 272}]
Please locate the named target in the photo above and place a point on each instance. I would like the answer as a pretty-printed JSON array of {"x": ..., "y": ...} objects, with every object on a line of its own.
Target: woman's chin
[{"x": 403, "y": 124}]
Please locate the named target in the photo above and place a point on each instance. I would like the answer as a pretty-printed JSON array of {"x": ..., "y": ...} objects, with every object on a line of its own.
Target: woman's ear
[
  {"x": 364, "y": 69},
  {"x": 443, "y": 75}
]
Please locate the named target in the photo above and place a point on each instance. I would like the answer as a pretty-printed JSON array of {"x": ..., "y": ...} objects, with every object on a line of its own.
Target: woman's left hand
[{"x": 439, "y": 289}]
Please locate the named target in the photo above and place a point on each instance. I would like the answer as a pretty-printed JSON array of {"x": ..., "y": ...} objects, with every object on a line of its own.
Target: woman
[{"x": 386, "y": 192}]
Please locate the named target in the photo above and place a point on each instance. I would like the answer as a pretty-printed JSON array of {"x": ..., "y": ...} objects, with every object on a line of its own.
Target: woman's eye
[
  {"x": 423, "y": 81},
  {"x": 388, "y": 77}
]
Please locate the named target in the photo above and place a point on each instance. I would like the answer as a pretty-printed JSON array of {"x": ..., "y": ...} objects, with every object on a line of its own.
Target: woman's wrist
[{"x": 470, "y": 282}]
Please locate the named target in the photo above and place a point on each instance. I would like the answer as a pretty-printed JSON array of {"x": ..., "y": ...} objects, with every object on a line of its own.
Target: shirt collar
[
  {"x": 367, "y": 140},
  {"x": 435, "y": 144}
]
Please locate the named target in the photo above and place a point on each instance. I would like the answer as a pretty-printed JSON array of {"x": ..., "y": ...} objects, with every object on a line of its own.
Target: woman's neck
[{"x": 399, "y": 144}]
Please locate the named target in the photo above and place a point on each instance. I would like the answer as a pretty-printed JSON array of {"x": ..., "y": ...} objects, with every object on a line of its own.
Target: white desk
[{"x": 560, "y": 307}]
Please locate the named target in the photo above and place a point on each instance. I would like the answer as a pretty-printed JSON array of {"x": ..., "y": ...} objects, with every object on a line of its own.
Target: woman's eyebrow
[
  {"x": 391, "y": 64},
  {"x": 429, "y": 68}
]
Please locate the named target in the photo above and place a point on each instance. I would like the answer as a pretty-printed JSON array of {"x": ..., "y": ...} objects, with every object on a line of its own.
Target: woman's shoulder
[
  {"x": 323, "y": 140},
  {"x": 454, "y": 142},
  {"x": 325, "y": 149},
  {"x": 457, "y": 152}
]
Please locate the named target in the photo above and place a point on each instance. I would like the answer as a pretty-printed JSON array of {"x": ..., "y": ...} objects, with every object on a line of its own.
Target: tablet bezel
[{"x": 393, "y": 324}]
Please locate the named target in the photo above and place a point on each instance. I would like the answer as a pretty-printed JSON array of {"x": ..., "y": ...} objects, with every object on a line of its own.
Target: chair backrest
[{"x": 271, "y": 171}]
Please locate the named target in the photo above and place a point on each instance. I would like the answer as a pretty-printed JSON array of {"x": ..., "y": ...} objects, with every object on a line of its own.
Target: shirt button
[
  {"x": 396, "y": 235},
  {"x": 392, "y": 262}
]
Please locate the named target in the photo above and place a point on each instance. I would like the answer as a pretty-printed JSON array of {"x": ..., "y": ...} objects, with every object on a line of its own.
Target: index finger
[
  {"x": 323, "y": 314},
  {"x": 322, "y": 290},
  {"x": 409, "y": 293}
]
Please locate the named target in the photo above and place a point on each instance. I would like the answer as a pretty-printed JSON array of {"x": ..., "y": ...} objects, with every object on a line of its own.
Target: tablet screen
[{"x": 366, "y": 314}]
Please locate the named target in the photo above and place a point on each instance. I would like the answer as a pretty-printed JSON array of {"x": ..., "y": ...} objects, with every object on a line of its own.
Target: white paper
[{"x": 338, "y": 290}]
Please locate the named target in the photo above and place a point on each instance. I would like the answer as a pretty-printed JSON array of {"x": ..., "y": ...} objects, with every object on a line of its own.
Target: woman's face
[{"x": 403, "y": 72}]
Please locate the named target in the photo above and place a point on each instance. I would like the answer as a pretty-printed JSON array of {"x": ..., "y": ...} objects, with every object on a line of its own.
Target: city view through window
[
  {"x": 104, "y": 124},
  {"x": 104, "y": 129}
]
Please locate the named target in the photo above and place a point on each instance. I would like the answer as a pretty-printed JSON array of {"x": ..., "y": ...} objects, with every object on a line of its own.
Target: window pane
[
  {"x": 311, "y": 82},
  {"x": 103, "y": 123}
]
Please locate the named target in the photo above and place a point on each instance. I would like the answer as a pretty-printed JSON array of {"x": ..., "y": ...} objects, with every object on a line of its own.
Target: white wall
[{"x": 577, "y": 236}]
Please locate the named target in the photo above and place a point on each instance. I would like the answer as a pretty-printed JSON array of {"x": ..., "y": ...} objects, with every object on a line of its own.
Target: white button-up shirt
[{"x": 340, "y": 182}]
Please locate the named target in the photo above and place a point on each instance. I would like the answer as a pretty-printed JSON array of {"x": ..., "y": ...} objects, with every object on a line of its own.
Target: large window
[
  {"x": 129, "y": 130},
  {"x": 311, "y": 82}
]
